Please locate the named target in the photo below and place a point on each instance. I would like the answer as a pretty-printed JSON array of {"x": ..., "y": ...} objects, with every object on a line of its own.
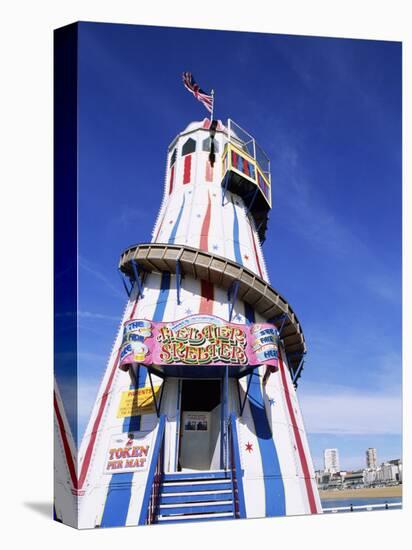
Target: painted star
[
  {"x": 215, "y": 247},
  {"x": 271, "y": 402},
  {"x": 249, "y": 447},
  {"x": 198, "y": 216},
  {"x": 237, "y": 317},
  {"x": 246, "y": 257},
  {"x": 188, "y": 311},
  {"x": 171, "y": 221}
]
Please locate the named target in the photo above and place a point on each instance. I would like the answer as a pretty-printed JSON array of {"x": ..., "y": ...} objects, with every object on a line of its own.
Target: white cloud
[{"x": 339, "y": 410}]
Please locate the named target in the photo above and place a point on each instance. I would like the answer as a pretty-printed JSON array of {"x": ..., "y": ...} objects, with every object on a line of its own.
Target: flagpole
[{"x": 213, "y": 104}]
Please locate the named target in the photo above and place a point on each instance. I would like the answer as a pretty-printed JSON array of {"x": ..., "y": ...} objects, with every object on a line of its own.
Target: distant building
[
  {"x": 331, "y": 459},
  {"x": 371, "y": 459},
  {"x": 354, "y": 479}
]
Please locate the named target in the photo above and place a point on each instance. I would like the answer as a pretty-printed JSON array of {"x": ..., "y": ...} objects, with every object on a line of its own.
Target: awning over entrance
[{"x": 200, "y": 371}]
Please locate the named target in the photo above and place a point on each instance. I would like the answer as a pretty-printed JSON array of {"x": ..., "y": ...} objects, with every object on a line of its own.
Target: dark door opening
[{"x": 200, "y": 425}]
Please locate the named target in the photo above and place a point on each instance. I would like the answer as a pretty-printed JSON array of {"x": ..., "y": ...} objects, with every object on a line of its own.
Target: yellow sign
[{"x": 137, "y": 402}]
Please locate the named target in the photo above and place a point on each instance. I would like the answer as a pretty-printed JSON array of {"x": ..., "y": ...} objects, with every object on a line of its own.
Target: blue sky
[{"x": 328, "y": 113}]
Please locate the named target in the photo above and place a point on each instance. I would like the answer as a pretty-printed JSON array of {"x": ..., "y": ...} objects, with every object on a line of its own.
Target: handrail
[
  {"x": 236, "y": 471},
  {"x": 151, "y": 495}
]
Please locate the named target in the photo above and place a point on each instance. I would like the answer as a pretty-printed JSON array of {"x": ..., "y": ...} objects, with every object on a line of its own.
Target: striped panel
[
  {"x": 206, "y": 300},
  {"x": 274, "y": 488},
  {"x": 172, "y": 177},
  {"x": 120, "y": 487},
  {"x": 299, "y": 444},
  {"x": 66, "y": 446},
  {"x": 204, "y": 233},
  {"x": 172, "y": 235},
  {"x": 209, "y": 171},
  {"x": 187, "y": 169},
  {"x": 255, "y": 250},
  {"x": 236, "y": 244}
]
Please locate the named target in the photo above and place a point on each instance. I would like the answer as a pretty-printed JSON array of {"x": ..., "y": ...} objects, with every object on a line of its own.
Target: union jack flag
[{"x": 191, "y": 85}]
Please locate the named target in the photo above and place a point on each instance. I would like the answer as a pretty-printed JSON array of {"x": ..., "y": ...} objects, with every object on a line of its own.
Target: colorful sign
[
  {"x": 137, "y": 402},
  {"x": 198, "y": 340},
  {"x": 128, "y": 452}
]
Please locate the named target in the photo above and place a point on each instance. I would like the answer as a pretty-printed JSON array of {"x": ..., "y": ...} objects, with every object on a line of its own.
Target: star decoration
[
  {"x": 237, "y": 317},
  {"x": 171, "y": 221},
  {"x": 294, "y": 446},
  {"x": 214, "y": 194},
  {"x": 215, "y": 247},
  {"x": 188, "y": 311},
  {"x": 198, "y": 216},
  {"x": 249, "y": 447},
  {"x": 271, "y": 402},
  {"x": 246, "y": 257}
]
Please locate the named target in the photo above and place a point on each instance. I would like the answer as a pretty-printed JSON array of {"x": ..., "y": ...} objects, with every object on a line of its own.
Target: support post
[
  {"x": 124, "y": 283},
  {"x": 252, "y": 201},
  {"x": 178, "y": 281},
  {"x": 226, "y": 180},
  {"x": 242, "y": 407},
  {"x": 226, "y": 418},
  {"x": 137, "y": 278},
  {"x": 157, "y": 407},
  {"x": 283, "y": 324},
  {"x": 298, "y": 370},
  {"x": 232, "y": 297}
]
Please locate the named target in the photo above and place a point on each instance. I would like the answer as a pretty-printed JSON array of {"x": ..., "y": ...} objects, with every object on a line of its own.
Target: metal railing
[
  {"x": 244, "y": 141},
  {"x": 154, "y": 479},
  {"x": 362, "y": 507},
  {"x": 236, "y": 472}
]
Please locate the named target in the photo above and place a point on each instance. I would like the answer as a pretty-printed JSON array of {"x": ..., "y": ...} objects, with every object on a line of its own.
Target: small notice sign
[
  {"x": 128, "y": 452},
  {"x": 137, "y": 402}
]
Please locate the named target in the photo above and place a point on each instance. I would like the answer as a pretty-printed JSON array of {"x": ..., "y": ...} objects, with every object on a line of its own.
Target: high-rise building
[
  {"x": 371, "y": 459},
  {"x": 331, "y": 460}
]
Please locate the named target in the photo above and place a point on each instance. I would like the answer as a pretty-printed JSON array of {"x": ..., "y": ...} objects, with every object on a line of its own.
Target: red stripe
[
  {"x": 89, "y": 450},
  {"x": 256, "y": 252},
  {"x": 187, "y": 169},
  {"x": 66, "y": 446},
  {"x": 206, "y": 301},
  {"x": 172, "y": 175},
  {"x": 302, "y": 456},
  {"x": 245, "y": 167},
  {"x": 209, "y": 171},
  {"x": 204, "y": 232}
]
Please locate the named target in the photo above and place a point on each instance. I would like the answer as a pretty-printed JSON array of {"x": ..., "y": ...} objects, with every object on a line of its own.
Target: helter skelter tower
[{"x": 197, "y": 416}]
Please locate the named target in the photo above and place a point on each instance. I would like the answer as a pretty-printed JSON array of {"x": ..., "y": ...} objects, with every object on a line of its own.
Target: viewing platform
[{"x": 246, "y": 172}]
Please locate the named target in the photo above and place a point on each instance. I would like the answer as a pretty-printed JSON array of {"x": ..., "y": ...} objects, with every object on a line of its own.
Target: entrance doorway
[{"x": 200, "y": 425}]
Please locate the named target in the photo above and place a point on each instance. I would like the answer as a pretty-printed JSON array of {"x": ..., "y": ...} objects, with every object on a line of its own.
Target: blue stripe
[
  {"x": 163, "y": 297},
  {"x": 117, "y": 502},
  {"x": 120, "y": 487},
  {"x": 274, "y": 488},
  {"x": 176, "y": 225},
  {"x": 236, "y": 245},
  {"x": 132, "y": 423}
]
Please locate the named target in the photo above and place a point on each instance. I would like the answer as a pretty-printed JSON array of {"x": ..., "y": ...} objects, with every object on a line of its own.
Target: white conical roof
[{"x": 203, "y": 124}]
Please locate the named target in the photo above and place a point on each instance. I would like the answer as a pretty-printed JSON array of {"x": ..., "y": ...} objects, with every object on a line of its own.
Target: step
[
  {"x": 195, "y": 509},
  {"x": 194, "y": 476},
  {"x": 198, "y": 497},
  {"x": 218, "y": 485},
  {"x": 195, "y": 517}
]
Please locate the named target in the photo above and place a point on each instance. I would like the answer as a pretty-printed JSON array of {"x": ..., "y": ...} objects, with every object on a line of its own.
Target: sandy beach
[{"x": 377, "y": 492}]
